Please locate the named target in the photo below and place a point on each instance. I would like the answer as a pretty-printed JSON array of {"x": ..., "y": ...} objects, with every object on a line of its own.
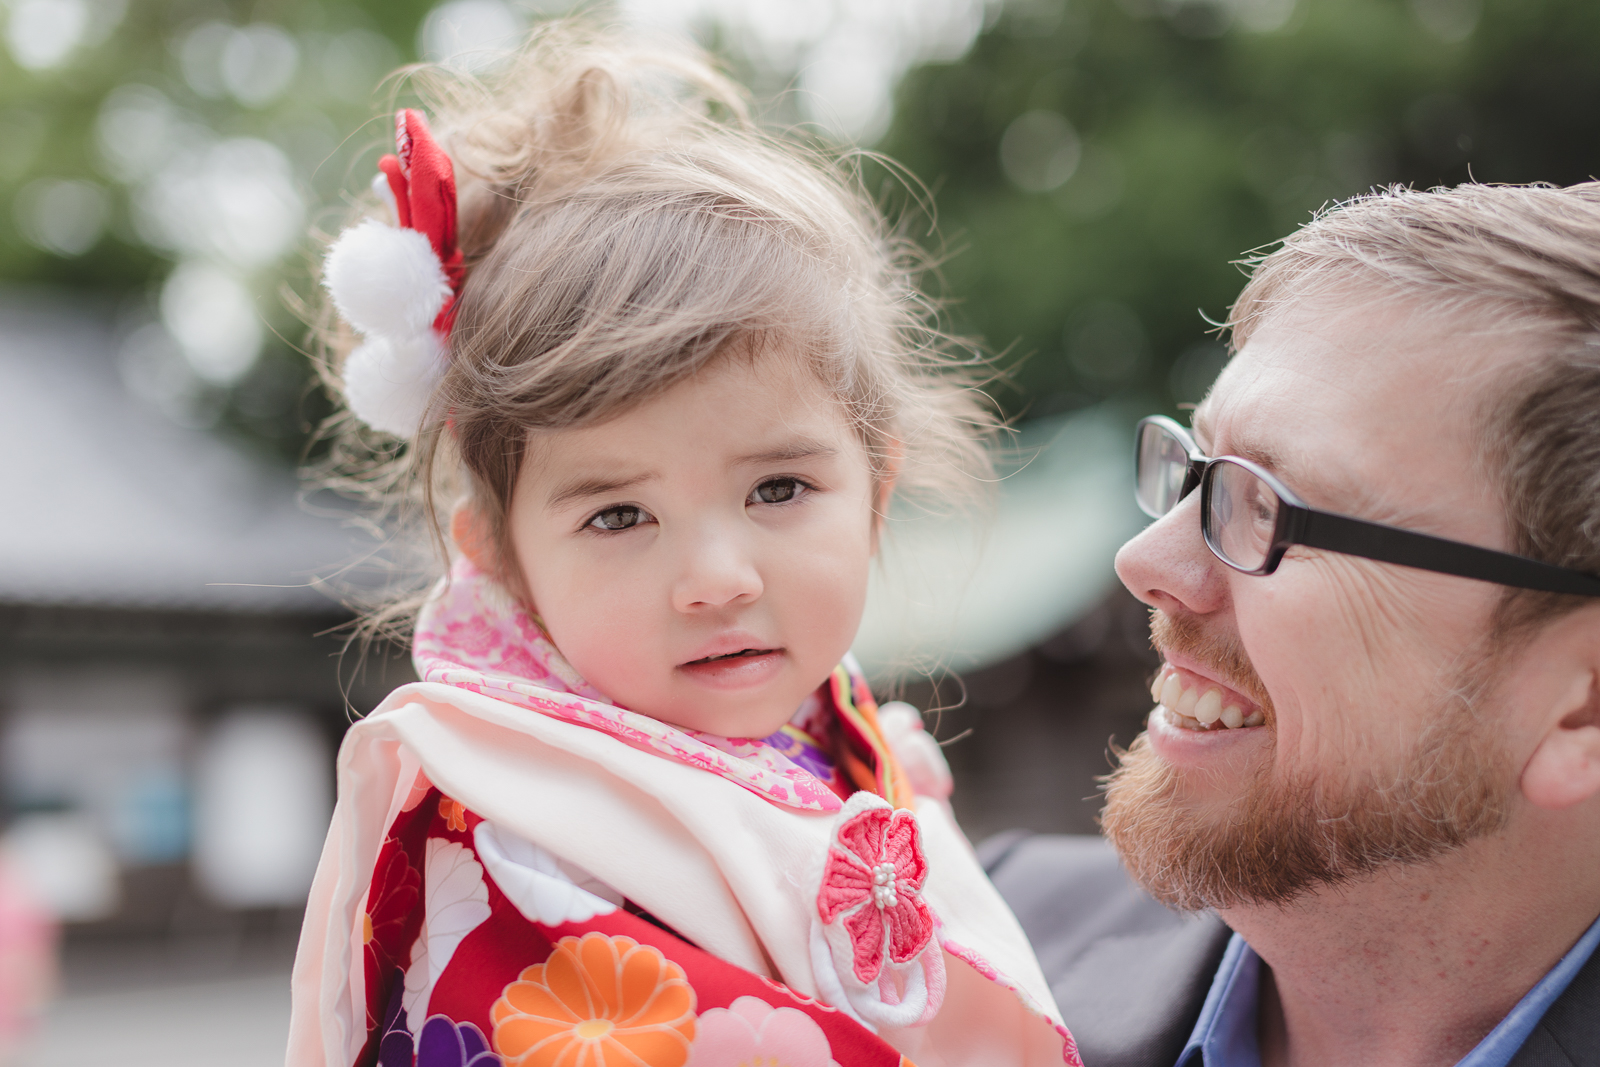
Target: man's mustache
[{"x": 1219, "y": 653}]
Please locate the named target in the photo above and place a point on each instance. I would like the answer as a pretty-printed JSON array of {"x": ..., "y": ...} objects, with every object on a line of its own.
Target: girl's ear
[
  {"x": 471, "y": 535},
  {"x": 894, "y": 454}
]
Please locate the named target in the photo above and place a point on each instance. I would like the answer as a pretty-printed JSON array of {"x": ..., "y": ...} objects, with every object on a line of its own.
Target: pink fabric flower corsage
[
  {"x": 874, "y": 881},
  {"x": 873, "y": 946}
]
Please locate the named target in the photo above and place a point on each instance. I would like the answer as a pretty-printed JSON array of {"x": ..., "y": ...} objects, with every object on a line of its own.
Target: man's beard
[{"x": 1284, "y": 837}]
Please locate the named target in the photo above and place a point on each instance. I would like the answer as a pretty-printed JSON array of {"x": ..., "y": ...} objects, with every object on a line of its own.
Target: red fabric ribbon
[{"x": 424, "y": 185}]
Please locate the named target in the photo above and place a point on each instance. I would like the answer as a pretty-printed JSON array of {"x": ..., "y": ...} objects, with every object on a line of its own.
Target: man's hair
[{"x": 1530, "y": 252}]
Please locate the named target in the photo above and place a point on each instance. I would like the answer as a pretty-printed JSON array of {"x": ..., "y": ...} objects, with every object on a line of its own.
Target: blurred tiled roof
[{"x": 108, "y": 504}]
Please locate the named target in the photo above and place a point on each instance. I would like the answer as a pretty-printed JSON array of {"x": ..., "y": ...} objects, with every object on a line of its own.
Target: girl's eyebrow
[
  {"x": 800, "y": 448},
  {"x": 587, "y": 487}
]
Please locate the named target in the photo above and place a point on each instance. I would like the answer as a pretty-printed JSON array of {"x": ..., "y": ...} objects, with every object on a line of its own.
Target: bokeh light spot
[
  {"x": 1106, "y": 343},
  {"x": 1039, "y": 151},
  {"x": 235, "y": 200},
  {"x": 64, "y": 217},
  {"x": 469, "y": 35},
  {"x": 1451, "y": 21},
  {"x": 258, "y": 62},
  {"x": 43, "y": 33},
  {"x": 213, "y": 318}
]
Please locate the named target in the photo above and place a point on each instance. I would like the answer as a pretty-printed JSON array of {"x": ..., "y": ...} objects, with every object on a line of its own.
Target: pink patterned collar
[{"x": 473, "y": 635}]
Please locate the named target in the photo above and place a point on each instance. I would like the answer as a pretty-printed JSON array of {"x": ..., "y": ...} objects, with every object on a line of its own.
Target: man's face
[{"x": 1366, "y": 674}]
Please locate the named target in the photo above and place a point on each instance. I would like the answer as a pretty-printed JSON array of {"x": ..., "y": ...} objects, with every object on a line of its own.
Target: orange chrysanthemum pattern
[
  {"x": 454, "y": 813},
  {"x": 598, "y": 1001}
]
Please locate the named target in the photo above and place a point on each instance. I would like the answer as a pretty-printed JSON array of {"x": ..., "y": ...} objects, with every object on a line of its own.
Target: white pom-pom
[
  {"x": 919, "y": 754},
  {"x": 385, "y": 280},
  {"x": 388, "y": 384},
  {"x": 380, "y": 185}
]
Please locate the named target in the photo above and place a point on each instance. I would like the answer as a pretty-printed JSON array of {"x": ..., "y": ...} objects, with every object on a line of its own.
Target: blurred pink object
[{"x": 27, "y": 961}]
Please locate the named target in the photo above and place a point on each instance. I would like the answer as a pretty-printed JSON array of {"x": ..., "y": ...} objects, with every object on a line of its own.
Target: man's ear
[
  {"x": 1565, "y": 767},
  {"x": 471, "y": 534}
]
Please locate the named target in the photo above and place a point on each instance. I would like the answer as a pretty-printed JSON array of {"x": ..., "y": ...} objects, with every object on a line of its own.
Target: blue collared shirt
[{"x": 1225, "y": 1034}]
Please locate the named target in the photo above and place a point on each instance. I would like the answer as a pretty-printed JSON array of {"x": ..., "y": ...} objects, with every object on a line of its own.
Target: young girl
[{"x": 641, "y": 809}]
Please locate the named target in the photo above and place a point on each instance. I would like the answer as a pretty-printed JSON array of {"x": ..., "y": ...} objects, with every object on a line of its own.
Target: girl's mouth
[
  {"x": 736, "y": 670},
  {"x": 743, "y": 653}
]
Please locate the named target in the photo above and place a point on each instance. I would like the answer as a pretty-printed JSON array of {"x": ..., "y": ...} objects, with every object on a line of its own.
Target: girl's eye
[
  {"x": 776, "y": 491},
  {"x": 621, "y": 517}
]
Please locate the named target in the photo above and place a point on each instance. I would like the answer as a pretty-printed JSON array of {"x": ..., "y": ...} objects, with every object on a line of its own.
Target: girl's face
[{"x": 702, "y": 558}]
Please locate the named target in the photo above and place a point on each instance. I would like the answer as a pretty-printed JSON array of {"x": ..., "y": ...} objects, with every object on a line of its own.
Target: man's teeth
[{"x": 1192, "y": 709}]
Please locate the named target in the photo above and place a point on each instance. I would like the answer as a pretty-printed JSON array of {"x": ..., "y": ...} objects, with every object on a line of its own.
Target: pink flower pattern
[
  {"x": 873, "y": 878},
  {"x": 751, "y": 1032}
]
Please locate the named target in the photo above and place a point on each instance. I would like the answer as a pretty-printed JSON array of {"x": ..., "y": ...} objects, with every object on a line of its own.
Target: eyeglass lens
[
  {"x": 1243, "y": 513},
  {"x": 1242, "y": 517},
  {"x": 1163, "y": 464}
]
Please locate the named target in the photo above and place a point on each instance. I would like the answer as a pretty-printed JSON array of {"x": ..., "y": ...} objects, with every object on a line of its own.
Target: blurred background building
[{"x": 1088, "y": 173}]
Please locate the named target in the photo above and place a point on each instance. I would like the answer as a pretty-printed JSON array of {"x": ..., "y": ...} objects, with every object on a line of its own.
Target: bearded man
[{"x": 1370, "y": 793}]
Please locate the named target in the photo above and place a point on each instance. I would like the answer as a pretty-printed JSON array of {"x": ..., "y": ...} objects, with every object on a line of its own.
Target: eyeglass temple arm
[{"x": 1388, "y": 544}]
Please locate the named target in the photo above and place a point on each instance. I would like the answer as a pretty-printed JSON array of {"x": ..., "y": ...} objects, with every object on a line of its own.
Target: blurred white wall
[
  {"x": 962, "y": 592},
  {"x": 263, "y": 798},
  {"x": 94, "y": 763}
]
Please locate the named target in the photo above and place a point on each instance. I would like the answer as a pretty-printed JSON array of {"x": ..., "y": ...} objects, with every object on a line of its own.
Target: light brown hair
[
  {"x": 625, "y": 224},
  {"x": 1529, "y": 252}
]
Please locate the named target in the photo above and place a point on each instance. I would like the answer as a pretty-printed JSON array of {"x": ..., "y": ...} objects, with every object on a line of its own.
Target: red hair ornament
[{"x": 397, "y": 285}]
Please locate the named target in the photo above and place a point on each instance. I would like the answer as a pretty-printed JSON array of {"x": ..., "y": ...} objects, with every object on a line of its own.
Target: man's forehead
[
  {"x": 1265, "y": 408},
  {"x": 1344, "y": 398}
]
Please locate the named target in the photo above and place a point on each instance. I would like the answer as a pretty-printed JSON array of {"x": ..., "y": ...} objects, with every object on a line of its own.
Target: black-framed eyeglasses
[{"x": 1249, "y": 519}]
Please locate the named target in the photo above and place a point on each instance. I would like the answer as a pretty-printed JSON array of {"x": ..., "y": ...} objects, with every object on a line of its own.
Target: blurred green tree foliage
[
  {"x": 1098, "y": 165},
  {"x": 172, "y": 155}
]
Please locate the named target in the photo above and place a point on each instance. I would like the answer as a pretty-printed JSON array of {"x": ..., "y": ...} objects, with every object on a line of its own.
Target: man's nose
[
  {"x": 1168, "y": 565},
  {"x": 718, "y": 568}
]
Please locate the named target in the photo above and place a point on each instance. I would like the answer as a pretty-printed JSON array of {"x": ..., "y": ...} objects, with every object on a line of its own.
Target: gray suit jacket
[{"x": 1131, "y": 976}]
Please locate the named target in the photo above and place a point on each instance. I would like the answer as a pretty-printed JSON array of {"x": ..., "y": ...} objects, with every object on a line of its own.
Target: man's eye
[
  {"x": 776, "y": 491},
  {"x": 622, "y": 517}
]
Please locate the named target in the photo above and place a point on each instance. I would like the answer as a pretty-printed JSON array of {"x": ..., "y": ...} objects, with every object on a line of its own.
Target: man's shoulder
[
  {"x": 1569, "y": 1033},
  {"x": 1129, "y": 975}
]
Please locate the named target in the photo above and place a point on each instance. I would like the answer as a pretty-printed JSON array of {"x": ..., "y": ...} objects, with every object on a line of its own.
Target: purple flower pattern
[
  {"x": 446, "y": 1043},
  {"x": 443, "y": 1042}
]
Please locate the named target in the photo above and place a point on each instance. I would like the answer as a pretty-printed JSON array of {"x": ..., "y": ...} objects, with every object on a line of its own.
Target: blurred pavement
[
  {"x": 162, "y": 1002},
  {"x": 241, "y": 1021}
]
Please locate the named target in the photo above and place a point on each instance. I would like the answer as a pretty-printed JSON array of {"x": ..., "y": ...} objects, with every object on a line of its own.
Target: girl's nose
[
  {"x": 1168, "y": 566},
  {"x": 717, "y": 571}
]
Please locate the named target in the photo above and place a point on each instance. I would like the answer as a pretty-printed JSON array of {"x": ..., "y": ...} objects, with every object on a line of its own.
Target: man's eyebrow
[
  {"x": 1255, "y": 452},
  {"x": 1259, "y": 454},
  {"x": 800, "y": 448},
  {"x": 587, "y": 487}
]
